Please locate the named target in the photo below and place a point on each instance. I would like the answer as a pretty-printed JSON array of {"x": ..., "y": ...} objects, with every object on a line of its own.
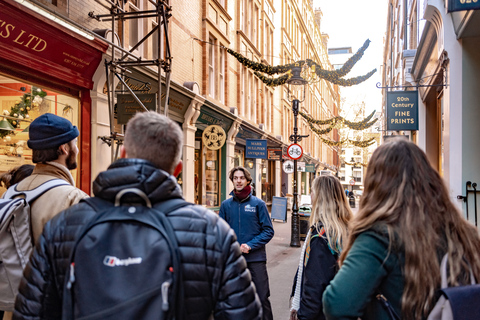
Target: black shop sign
[{"x": 402, "y": 110}]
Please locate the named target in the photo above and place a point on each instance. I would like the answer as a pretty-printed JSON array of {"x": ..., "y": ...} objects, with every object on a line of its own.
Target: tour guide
[{"x": 249, "y": 218}]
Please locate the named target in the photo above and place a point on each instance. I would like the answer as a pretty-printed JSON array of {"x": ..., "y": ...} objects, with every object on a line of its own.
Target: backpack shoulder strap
[
  {"x": 32, "y": 195},
  {"x": 171, "y": 205}
]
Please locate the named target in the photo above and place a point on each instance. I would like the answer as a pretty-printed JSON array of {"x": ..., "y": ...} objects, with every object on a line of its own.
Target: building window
[
  {"x": 222, "y": 75},
  {"x": 211, "y": 68},
  {"x": 133, "y": 26}
]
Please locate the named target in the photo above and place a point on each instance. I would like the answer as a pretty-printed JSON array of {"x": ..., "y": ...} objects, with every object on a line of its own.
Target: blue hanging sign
[
  {"x": 402, "y": 110},
  {"x": 460, "y": 5},
  {"x": 256, "y": 149}
]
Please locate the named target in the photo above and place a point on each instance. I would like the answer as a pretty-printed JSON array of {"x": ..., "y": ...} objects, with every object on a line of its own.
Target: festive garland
[
  {"x": 333, "y": 76},
  {"x": 20, "y": 110},
  {"x": 339, "y": 121},
  {"x": 360, "y": 144},
  {"x": 320, "y": 132},
  {"x": 273, "y": 82},
  {"x": 355, "y": 164}
]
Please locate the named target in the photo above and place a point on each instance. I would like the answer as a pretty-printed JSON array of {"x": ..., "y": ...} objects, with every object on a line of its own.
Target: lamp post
[{"x": 295, "y": 84}]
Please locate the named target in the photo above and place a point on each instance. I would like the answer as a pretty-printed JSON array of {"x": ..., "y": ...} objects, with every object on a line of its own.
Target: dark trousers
[{"x": 258, "y": 270}]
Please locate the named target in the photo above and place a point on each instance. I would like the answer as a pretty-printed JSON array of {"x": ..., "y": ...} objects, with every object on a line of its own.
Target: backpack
[
  {"x": 16, "y": 241},
  {"x": 456, "y": 303},
  {"x": 125, "y": 263}
]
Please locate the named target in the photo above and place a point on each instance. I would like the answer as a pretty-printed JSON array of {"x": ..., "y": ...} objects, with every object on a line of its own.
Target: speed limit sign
[{"x": 295, "y": 151}]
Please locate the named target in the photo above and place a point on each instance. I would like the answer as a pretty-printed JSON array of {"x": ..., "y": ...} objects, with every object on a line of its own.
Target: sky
[{"x": 349, "y": 23}]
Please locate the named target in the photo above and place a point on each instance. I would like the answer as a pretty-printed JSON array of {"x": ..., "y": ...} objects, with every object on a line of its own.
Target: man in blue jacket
[{"x": 249, "y": 218}]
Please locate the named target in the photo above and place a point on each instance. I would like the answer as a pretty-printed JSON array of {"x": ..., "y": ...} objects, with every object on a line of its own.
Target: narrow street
[{"x": 282, "y": 264}]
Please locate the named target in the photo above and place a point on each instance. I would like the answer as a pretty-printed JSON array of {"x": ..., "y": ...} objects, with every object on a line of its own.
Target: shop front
[
  {"x": 211, "y": 176},
  {"x": 44, "y": 67}
]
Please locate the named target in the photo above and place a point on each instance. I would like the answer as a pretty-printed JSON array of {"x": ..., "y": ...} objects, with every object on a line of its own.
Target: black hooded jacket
[{"x": 216, "y": 281}]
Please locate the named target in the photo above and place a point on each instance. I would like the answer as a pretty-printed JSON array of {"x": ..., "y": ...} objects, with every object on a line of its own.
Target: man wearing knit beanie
[{"x": 53, "y": 141}]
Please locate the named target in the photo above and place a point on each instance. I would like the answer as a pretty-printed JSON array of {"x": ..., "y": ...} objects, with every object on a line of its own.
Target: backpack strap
[
  {"x": 32, "y": 195},
  {"x": 171, "y": 205}
]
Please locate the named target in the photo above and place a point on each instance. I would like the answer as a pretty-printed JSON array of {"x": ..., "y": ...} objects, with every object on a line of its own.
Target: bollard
[{"x": 352, "y": 201}]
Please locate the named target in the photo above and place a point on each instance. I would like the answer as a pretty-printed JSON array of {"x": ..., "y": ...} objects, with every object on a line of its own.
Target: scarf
[{"x": 245, "y": 192}]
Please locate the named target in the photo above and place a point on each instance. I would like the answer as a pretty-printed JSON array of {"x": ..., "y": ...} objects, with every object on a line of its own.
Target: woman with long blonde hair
[
  {"x": 405, "y": 225},
  {"x": 323, "y": 244}
]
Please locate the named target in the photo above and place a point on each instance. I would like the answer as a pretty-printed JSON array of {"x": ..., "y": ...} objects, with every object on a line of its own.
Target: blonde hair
[
  {"x": 404, "y": 192},
  {"x": 156, "y": 138},
  {"x": 330, "y": 207}
]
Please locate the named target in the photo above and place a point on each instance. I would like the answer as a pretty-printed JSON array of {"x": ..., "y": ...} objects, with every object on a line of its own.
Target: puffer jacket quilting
[{"x": 215, "y": 277}]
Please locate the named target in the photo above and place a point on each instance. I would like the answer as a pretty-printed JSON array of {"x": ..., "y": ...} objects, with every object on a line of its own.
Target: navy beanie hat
[{"x": 50, "y": 131}]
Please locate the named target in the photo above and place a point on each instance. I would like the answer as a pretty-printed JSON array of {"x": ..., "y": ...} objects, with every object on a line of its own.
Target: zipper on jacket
[
  {"x": 71, "y": 279},
  {"x": 165, "y": 287}
]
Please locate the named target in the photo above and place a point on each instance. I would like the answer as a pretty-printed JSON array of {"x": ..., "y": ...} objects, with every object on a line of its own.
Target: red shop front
[{"x": 44, "y": 67}]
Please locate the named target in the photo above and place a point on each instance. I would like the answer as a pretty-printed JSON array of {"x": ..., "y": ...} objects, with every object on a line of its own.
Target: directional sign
[
  {"x": 288, "y": 167},
  {"x": 295, "y": 151}
]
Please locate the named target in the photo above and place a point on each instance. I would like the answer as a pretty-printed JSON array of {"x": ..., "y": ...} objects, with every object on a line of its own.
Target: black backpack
[{"x": 125, "y": 263}]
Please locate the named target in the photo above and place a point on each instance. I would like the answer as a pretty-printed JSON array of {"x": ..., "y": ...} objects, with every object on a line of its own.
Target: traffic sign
[
  {"x": 352, "y": 182},
  {"x": 288, "y": 166},
  {"x": 295, "y": 151}
]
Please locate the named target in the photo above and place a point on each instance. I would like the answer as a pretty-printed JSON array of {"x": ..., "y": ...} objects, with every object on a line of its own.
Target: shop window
[
  {"x": 207, "y": 173},
  {"x": 238, "y": 158},
  {"x": 21, "y": 103},
  {"x": 212, "y": 182}
]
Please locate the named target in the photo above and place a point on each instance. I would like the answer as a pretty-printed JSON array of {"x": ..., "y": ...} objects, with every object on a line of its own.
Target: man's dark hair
[
  {"x": 42, "y": 156},
  {"x": 247, "y": 174}
]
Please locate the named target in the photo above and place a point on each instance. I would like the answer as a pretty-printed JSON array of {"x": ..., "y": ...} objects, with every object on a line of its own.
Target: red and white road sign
[{"x": 295, "y": 151}]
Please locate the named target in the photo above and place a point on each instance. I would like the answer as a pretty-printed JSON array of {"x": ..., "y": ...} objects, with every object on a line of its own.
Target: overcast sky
[{"x": 349, "y": 23}]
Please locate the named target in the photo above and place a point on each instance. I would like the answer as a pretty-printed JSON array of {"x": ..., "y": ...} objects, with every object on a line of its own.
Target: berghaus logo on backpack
[{"x": 116, "y": 262}]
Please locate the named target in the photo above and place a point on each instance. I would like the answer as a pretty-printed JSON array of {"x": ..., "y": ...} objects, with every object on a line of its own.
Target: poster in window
[{"x": 212, "y": 186}]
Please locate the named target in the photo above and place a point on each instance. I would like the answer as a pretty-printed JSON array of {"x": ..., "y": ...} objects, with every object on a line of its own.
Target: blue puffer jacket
[{"x": 251, "y": 222}]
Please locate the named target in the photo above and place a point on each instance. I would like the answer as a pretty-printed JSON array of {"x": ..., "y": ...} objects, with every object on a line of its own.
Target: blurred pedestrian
[
  {"x": 249, "y": 217},
  {"x": 405, "y": 225},
  {"x": 53, "y": 141},
  {"x": 15, "y": 175},
  {"x": 318, "y": 259},
  {"x": 214, "y": 280}
]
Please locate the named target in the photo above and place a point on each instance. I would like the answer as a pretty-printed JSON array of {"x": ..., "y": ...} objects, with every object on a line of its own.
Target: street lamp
[{"x": 295, "y": 85}]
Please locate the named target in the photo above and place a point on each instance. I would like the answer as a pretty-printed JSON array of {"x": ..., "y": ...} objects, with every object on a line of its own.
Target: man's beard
[{"x": 71, "y": 161}]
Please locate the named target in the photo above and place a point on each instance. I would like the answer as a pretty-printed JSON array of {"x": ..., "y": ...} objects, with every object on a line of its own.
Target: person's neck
[{"x": 244, "y": 193}]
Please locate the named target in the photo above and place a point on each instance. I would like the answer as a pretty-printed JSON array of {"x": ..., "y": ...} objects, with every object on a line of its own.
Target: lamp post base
[{"x": 295, "y": 238}]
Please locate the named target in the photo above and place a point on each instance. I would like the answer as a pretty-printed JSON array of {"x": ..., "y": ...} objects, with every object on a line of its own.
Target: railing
[{"x": 465, "y": 198}]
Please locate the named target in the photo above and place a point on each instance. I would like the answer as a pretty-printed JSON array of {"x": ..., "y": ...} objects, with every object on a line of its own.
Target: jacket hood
[{"x": 157, "y": 184}]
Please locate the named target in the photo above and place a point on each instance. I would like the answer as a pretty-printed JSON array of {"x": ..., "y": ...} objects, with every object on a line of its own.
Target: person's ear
[
  {"x": 63, "y": 149},
  {"x": 178, "y": 169},
  {"x": 123, "y": 152}
]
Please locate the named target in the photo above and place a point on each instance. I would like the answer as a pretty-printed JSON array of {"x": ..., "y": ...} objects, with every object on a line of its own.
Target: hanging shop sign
[
  {"x": 214, "y": 137},
  {"x": 256, "y": 148},
  {"x": 301, "y": 166},
  {"x": 274, "y": 154},
  {"x": 460, "y": 5},
  {"x": 310, "y": 167},
  {"x": 142, "y": 84},
  {"x": 288, "y": 166},
  {"x": 402, "y": 110},
  {"x": 127, "y": 106},
  {"x": 295, "y": 151}
]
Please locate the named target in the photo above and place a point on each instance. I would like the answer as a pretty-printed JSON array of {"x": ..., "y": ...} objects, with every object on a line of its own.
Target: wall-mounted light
[{"x": 250, "y": 164}]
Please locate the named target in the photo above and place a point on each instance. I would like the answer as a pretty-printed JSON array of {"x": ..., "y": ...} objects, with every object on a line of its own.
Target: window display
[{"x": 21, "y": 103}]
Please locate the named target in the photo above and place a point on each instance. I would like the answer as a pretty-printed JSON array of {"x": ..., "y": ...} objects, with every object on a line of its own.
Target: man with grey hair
[{"x": 215, "y": 282}]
